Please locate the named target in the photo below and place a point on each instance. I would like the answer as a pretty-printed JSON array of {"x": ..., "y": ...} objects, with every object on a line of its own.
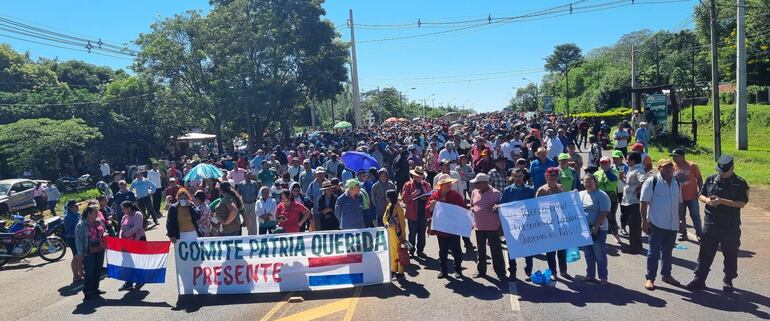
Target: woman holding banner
[
  {"x": 395, "y": 220},
  {"x": 552, "y": 187},
  {"x": 596, "y": 204},
  {"x": 444, "y": 193}
]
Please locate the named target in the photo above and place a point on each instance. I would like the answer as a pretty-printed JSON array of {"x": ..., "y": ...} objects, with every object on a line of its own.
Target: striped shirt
[{"x": 481, "y": 205}]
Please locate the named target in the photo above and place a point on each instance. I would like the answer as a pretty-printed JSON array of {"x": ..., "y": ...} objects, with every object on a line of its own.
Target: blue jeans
[
  {"x": 661, "y": 246},
  {"x": 596, "y": 256},
  {"x": 694, "y": 208}
]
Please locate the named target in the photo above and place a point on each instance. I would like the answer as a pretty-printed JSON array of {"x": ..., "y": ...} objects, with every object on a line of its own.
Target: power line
[
  {"x": 556, "y": 11},
  {"x": 57, "y": 39},
  {"x": 62, "y": 47},
  {"x": 464, "y": 75}
]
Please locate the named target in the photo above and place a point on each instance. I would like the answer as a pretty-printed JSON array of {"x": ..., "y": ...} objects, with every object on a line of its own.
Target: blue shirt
[
  {"x": 642, "y": 136},
  {"x": 537, "y": 170},
  {"x": 71, "y": 220},
  {"x": 350, "y": 211},
  {"x": 142, "y": 188},
  {"x": 256, "y": 163},
  {"x": 346, "y": 175},
  {"x": 514, "y": 193}
]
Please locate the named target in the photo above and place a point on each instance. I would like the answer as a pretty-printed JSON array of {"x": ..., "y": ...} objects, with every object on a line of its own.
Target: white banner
[
  {"x": 452, "y": 219},
  {"x": 282, "y": 262},
  {"x": 544, "y": 224}
]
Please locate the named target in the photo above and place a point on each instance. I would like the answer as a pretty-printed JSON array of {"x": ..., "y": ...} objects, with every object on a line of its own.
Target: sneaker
[
  {"x": 671, "y": 280},
  {"x": 458, "y": 275},
  {"x": 727, "y": 286},
  {"x": 649, "y": 285},
  {"x": 604, "y": 282},
  {"x": 683, "y": 238},
  {"x": 400, "y": 276},
  {"x": 566, "y": 276},
  {"x": 589, "y": 280},
  {"x": 696, "y": 285},
  {"x": 441, "y": 275}
]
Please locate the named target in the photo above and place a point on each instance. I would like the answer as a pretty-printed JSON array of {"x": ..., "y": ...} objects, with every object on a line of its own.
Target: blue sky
[{"x": 476, "y": 68}]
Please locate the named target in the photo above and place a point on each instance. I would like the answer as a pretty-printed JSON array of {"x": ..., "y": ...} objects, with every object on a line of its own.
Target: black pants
[
  {"x": 145, "y": 205},
  {"x": 634, "y": 221},
  {"x": 92, "y": 268},
  {"x": 551, "y": 257},
  {"x": 446, "y": 244},
  {"x": 156, "y": 199},
  {"x": 612, "y": 218},
  {"x": 583, "y": 138},
  {"x": 527, "y": 266},
  {"x": 417, "y": 233},
  {"x": 714, "y": 238},
  {"x": 468, "y": 243},
  {"x": 495, "y": 246}
]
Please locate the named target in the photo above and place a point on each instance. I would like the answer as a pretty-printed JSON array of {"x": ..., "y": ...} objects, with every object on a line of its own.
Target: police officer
[{"x": 724, "y": 194}]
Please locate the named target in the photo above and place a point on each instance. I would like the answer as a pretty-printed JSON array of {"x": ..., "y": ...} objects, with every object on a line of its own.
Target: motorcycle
[{"x": 44, "y": 235}]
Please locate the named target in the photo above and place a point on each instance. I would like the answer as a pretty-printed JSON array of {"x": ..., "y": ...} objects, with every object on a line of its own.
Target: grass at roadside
[
  {"x": 80, "y": 196},
  {"x": 752, "y": 164}
]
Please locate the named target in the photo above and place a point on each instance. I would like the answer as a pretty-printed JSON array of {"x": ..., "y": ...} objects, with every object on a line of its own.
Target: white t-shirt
[
  {"x": 621, "y": 138},
  {"x": 105, "y": 169},
  {"x": 154, "y": 177}
]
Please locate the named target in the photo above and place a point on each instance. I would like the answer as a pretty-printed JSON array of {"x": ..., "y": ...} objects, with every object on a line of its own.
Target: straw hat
[
  {"x": 326, "y": 185},
  {"x": 442, "y": 179},
  {"x": 417, "y": 171}
]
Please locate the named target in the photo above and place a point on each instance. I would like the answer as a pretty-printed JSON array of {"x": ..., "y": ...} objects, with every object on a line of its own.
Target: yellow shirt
[{"x": 185, "y": 219}]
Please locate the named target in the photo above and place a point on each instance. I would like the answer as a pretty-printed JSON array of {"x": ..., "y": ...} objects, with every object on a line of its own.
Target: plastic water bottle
[
  {"x": 537, "y": 277},
  {"x": 547, "y": 276},
  {"x": 573, "y": 255},
  {"x": 680, "y": 247}
]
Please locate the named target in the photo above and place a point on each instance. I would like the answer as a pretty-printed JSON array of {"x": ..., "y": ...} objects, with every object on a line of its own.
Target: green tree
[
  {"x": 46, "y": 145},
  {"x": 564, "y": 57}
]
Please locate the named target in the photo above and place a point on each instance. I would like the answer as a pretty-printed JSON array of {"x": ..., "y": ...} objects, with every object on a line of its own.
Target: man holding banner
[
  {"x": 445, "y": 194},
  {"x": 487, "y": 223},
  {"x": 517, "y": 191}
]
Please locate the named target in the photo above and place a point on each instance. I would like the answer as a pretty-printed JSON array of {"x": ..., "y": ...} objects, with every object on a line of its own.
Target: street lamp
[
  {"x": 403, "y": 96},
  {"x": 537, "y": 93},
  {"x": 425, "y": 105}
]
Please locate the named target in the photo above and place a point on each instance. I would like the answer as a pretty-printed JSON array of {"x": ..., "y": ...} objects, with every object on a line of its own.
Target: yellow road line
[
  {"x": 319, "y": 312},
  {"x": 277, "y": 307},
  {"x": 353, "y": 304}
]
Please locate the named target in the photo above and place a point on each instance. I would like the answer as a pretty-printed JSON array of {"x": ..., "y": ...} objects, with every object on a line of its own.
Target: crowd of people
[{"x": 479, "y": 162}]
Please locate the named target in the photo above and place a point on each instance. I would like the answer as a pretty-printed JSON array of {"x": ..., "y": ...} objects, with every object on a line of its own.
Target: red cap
[{"x": 638, "y": 147}]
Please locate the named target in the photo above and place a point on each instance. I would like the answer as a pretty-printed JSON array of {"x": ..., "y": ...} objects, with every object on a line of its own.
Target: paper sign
[{"x": 452, "y": 219}]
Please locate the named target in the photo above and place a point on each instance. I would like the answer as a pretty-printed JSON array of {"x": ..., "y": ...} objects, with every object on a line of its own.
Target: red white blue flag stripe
[{"x": 137, "y": 261}]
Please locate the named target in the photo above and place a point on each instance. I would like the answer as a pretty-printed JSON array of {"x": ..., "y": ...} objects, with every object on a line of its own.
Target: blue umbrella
[
  {"x": 203, "y": 171},
  {"x": 356, "y": 161}
]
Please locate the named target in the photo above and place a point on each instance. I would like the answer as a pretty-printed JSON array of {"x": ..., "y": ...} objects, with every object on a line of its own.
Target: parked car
[{"x": 16, "y": 195}]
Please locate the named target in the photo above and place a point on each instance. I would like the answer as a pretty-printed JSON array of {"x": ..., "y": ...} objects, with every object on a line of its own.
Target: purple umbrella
[{"x": 356, "y": 161}]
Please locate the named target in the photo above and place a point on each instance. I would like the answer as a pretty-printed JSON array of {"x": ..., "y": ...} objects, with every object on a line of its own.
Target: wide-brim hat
[
  {"x": 417, "y": 171},
  {"x": 326, "y": 185},
  {"x": 320, "y": 170},
  {"x": 442, "y": 179}
]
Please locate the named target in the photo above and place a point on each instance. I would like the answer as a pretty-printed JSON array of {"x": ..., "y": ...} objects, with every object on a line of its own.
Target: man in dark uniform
[{"x": 724, "y": 194}]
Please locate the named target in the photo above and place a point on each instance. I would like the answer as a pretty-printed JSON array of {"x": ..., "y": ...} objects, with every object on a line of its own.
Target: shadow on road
[
  {"x": 739, "y": 301},
  {"x": 131, "y": 299},
  {"x": 25, "y": 266},
  {"x": 583, "y": 293}
]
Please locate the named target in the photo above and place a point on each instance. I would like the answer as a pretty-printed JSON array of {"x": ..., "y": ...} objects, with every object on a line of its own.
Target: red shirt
[
  {"x": 452, "y": 197},
  {"x": 293, "y": 214}
]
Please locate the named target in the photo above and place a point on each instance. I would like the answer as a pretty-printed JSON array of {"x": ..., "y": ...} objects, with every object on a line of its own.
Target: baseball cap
[
  {"x": 638, "y": 147},
  {"x": 480, "y": 177},
  {"x": 724, "y": 163},
  {"x": 564, "y": 156},
  {"x": 677, "y": 152},
  {"x": 617, "y": 154}
]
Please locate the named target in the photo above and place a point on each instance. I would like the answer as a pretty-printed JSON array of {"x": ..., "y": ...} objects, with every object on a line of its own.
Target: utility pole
[
  {"x": 354, "y": 74},
  {"x": 312, "y": 115},
  {"x": 566, "y": 87},
  {"x": 741, "y": 130},
  {"x": 657, "y": 62},
  {"x": 715, "y": 81},
  {"x": 634, "y": 104},
  {"x": 692, "y": 97}
]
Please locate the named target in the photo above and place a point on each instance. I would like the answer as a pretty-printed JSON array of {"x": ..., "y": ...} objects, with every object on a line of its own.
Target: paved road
[{"x": 36, "y": 290}]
